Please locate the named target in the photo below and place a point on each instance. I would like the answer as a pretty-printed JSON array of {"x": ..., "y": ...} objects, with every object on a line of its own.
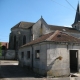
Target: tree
[{"x": 0, "y": 49}]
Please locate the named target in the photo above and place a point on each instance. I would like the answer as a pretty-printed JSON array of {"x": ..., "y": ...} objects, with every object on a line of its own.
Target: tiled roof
[
  {"x": 52, "y": 27},
  {"x": 6, "y": 44},
  {"x": 42, "y": 38},
  {"x": 23, "y": 25},
  {"x": 64, "y": 29},
  {"x": 56, "y": 36}
]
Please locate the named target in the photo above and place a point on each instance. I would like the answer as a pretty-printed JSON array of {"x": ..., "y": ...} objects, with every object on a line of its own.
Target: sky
[{"x": 54, "y": 12}]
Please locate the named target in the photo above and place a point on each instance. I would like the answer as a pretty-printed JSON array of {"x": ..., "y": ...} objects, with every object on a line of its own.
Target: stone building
[
  {"x": 4, "y": 46},
  {"x": 53, "y": 54},
  {"x": 24, "y": 32}
]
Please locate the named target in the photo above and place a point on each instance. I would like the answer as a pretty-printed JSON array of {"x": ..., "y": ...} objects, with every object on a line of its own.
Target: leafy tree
[{"x": 0, "y": 49}]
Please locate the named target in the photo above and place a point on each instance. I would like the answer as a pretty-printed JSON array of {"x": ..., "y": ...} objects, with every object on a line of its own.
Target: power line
[
  {"x": 60, "y": 4},
  {"x": 65, "y": 6},
  {"x": 70, "y": 4}
]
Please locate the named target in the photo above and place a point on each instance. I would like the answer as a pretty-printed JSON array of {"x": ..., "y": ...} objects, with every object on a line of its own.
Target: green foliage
[{"x": 0, "y": 49}]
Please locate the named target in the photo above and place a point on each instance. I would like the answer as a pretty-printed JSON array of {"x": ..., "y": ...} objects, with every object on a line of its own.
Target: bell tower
[{"x": 76, "y": 23}]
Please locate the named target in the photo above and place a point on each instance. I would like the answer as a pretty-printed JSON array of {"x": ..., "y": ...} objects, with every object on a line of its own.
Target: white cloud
[{"x": 67, "y": 26}]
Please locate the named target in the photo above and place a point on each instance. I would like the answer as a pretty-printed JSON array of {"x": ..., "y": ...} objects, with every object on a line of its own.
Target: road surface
[{"x": 10, "y": 70}]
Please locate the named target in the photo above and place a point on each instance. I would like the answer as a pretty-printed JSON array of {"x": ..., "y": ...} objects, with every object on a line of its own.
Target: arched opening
[
  {"x": 3, "y": 47},
  {"x": 10, "y": 41},
  {"x": 14, "y": 42},
  {"x": 24, "y": 39},
  {"x": 3, "y": 52}
]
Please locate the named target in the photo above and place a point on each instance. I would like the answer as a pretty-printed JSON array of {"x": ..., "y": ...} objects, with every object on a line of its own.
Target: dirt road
[{"x": 11, "y": 70}]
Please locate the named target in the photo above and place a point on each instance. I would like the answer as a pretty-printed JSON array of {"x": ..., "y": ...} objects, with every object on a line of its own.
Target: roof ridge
[
  {"x": 59, "y": 26},
  {"x": 26, "y": 22},
  {"x": 56, "y": 32}
]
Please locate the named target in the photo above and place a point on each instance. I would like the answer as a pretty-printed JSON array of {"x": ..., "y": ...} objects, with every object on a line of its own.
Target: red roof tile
[
  {"x": 6, "y": 44},
  {"x": 42, "y": 38},
  {"x": 56, "y": 36}
]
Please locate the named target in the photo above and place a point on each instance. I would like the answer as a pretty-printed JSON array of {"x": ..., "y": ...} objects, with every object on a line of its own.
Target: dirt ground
[{"x": 11, "y": 70}]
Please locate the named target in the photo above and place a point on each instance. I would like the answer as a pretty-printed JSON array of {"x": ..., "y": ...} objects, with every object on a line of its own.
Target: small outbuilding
[{"x": 53, "y": 54}]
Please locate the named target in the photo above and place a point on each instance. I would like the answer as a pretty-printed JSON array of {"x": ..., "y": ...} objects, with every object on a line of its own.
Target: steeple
[
  {"x": 77, "y": 17},
  {"x": 76, "y": 23}
]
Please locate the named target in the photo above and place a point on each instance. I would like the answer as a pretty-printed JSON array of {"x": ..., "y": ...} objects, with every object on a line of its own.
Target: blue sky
[{"x": 14, "y": 11}]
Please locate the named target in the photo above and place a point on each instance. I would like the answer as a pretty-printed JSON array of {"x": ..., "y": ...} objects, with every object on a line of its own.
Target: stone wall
[
  {"x": 56, "y": 66},
  {"x": 54, "y": 58},
  {"x": 58, "y": 61},
  {"x": 40, "y": 28},
  {"x": 19, "y": 33},
  {"x": 10, "y": 54},
  {"x": 39, "y": 65},
  {"x": 25, "y": 61}
]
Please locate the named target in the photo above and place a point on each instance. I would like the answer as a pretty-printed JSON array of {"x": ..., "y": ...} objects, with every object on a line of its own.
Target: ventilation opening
[{"x": 59, "y": 36}]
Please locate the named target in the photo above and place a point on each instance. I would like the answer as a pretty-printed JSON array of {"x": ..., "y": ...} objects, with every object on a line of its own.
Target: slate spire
[{"x": 77, "y": 17}]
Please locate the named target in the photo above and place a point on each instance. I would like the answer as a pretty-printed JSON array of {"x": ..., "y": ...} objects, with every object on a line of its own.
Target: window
[
  {"x": 14, "y": 42},
  {"x": 28, "y": 54},
  {"x": 37, "y": 54},
  {"x": 22, "y": 54},
  {"x": 24, "y": 39}
]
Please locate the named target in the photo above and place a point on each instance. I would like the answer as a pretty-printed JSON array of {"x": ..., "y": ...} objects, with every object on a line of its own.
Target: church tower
[{"x": 76, "y": 23}]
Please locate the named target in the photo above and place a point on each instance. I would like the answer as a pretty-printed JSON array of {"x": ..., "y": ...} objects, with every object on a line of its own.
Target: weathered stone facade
[
  {"x": 54, "y": 57},
  {"x": 54, "y": 54},
  {"x": 25, "y": 32},
  {"x": 49, "y": 64},
  {"x": 21, "y": 35}
]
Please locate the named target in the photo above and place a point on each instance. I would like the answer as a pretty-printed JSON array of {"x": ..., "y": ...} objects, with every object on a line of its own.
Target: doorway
[{"x": 73, "y": 60}]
